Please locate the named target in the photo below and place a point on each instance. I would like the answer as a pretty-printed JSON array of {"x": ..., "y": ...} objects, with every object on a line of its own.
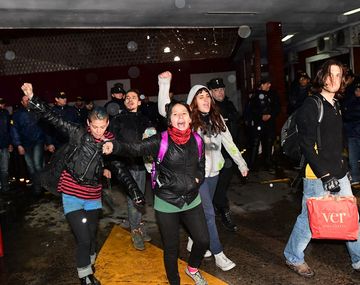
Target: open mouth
[{"x": 181, "y": 125}]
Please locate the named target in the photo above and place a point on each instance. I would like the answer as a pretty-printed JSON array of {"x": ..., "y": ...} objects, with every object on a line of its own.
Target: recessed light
[
  {"x": 176, "y": 58},
  {"x": 167, "y": 50},
  {"x": 287, "y": 37},
  {"x": 351, "y": 12}
]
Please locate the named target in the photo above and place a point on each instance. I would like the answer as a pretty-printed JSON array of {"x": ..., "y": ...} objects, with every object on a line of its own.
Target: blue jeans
[
  {"x": 301, "y": 234},
  {"x": 4, "y": 169},
  {"x": 207, "y": 191},
  {"x": 135, "y": 215},
  {"x": 354, "y": 157},
  {"x": 34, "y": 158}
]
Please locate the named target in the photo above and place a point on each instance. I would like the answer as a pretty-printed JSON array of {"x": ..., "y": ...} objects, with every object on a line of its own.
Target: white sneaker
[
  {"x": 223, "y": 262},
  {"x": 190, "y": 244}
]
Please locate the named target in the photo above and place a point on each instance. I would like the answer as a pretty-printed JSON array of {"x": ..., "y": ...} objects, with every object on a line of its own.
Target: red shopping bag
[{"x": 333, "y": 217}]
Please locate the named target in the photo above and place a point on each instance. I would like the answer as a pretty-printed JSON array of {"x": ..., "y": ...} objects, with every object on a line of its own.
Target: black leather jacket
[
  {"x": 82, "y": 156},
  {"x": 177, "y": 171}
]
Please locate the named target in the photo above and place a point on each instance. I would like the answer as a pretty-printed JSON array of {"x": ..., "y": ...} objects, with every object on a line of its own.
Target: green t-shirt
[{"x": 165, "y": 207}]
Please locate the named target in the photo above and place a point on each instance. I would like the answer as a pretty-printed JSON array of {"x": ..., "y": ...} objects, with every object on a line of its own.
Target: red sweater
[{"x": 68, "y": 185}]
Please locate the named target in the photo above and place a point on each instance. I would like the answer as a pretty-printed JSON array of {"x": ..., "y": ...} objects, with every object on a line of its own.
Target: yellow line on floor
[{"x": 119, "y": 263}]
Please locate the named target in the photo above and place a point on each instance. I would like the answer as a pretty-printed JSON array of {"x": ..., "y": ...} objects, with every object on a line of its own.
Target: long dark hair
[
  {"x": 217, "y": 124},
  {"x": 324, "y": 72}
]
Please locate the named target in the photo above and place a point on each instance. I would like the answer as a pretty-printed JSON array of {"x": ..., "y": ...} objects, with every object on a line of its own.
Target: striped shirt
[{"x": 68, "y": 185}]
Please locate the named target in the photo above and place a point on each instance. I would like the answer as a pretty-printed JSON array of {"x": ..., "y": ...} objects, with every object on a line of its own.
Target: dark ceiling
[{"x": 192, "y": 29}]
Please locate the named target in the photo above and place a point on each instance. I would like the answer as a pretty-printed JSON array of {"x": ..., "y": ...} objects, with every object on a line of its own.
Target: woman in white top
[{"x": 208, "y": 122}]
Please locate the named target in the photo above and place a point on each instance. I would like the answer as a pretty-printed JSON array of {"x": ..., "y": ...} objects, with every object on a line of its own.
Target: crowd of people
[{"x": 199, "y": 142}]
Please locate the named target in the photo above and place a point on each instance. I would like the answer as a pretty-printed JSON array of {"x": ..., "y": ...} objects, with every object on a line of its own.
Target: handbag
[{"x": 333, "y": 217}]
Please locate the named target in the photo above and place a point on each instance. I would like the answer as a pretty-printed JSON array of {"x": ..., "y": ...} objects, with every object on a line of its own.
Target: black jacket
[
  {"x": 130, "y": 127},
  {"x": 329, "y": 159},
  {"x": 177, "y": 171},
  {"x": 81, "y": 157}
]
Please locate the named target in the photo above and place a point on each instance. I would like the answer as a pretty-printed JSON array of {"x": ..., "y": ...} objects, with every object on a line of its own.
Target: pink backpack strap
[
  {"x": 162, "y": 150},
  {"x": 199, "y": 143}
]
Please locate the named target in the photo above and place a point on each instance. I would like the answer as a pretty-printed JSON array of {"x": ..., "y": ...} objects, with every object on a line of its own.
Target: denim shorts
[{"x": 72, "y": 203}]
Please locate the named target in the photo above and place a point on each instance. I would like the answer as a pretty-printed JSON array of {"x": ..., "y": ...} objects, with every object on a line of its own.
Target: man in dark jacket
[
  {"x": 231, "y": 117},
  {"x": 351, "y": 116},
  {"x": 116, "y": 105},
  {"x": 67, "y": 113},
  {"x": 129, "y": 126},
  {"x": 5, "y": 146},
  {"x": 326, "y": 170},
  {"x": 29, "y": 140},
  {"x": 265, "y": 107}
]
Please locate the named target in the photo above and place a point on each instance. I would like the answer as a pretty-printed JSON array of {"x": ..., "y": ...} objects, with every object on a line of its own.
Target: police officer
[
  {"x": 265, "y": 106},
  {"x": 231, "y": 117},
  {"x": 116, "y": 105}
]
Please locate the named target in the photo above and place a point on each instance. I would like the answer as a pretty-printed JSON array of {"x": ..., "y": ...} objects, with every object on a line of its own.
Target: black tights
[
  {"x": 169, "y": 224},
  {"x": 84, "y": 227}
]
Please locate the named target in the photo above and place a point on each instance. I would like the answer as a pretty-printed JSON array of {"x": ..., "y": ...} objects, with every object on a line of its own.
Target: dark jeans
[
  {"x": 221, "y": 202},
  {"x": 34, "y": 158},
  {"x": 169, "y": 224}
]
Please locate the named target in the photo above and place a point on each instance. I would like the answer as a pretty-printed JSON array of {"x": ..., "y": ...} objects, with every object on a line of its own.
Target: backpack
[
  {"x": 163, "y": 148},
  {"x": 290, "y": 134}
]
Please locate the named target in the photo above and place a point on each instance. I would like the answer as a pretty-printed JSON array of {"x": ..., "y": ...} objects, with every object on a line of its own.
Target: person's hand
[
  {"x": 139, "y": 202},
  {"x": 51, "y": 148},
  {"x": 165, "y": 74},
  {"x": 21, "y": 150},
  {"x": 331, "y": 184},
  {"x": 28, "y": 90},
  {"x": 244, "y": 173},
  {"x": 107, "y": 148},
  {"x": 107, "y": 173}
]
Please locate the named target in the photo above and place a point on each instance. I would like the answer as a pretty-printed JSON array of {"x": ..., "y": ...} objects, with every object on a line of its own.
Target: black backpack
[{"x": 290, "y": 134}]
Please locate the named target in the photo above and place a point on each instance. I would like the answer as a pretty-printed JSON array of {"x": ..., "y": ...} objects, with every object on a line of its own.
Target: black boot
[
  {"x": 89, "y": 280},
  {"x": 226, "y": 220}
]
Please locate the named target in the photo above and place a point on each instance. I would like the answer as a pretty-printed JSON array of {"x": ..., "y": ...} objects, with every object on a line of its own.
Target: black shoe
[
  {"x": 89, "y": 280},
  {"x": 227, "y": 222}
]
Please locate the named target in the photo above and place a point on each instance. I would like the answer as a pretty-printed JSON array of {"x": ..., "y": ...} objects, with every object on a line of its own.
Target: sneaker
[
  {"x": 223, "y": 262},
  {"x": 227, "y": 222},
  {"x": 197, "y": 277},
  {"x": 190, "y": 244},
  {"x": 146, "y": 237},
  {"x": 303, "y": 269},
  {"x": 137, "y": 239},
  {"x": 89, "y": 280}
]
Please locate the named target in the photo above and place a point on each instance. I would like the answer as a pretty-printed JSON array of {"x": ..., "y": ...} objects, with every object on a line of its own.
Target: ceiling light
[
  {"x": 148, "y": 37},
  {"x": 287, "y": 37},
  {"x": 176, "y": 58},
  {"x": 196, "y": 53},
  {"x": 351, "y": 12},
  {"x": 167, "y": 50},
  {"x": 326, "y": 38}
]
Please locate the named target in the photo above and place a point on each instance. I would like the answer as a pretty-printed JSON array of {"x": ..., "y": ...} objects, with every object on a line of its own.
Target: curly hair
[{"x": 217, "y": 124}]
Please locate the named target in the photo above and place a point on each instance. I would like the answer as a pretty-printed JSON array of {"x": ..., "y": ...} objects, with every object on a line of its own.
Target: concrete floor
[{"x": 39, "y": 248}]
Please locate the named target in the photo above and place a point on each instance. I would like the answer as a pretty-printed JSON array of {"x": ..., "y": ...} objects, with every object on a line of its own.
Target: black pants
[
  {"x": 220, "y": 199},
  {"x": 266, "y": 136},
  {"x": 84, "y": 227},
  {"x": 169, "y": 224}
]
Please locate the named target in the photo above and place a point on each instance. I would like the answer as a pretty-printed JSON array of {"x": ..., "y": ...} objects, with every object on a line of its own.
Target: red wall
[{"x": 91, "y": 83}]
